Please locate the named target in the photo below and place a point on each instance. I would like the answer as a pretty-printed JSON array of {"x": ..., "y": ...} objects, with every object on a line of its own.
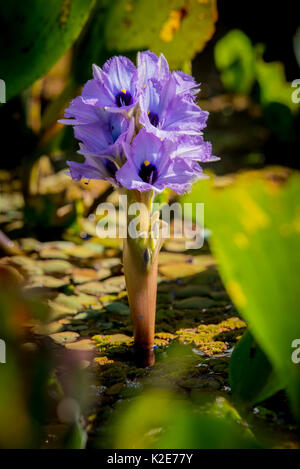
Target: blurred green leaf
[
  {"x": 280, "y": 120},
  {"x": 91, "y": 46},
  {"x": 177, "y": 28},
  {"x": 234, "y": 57},
  {"x": 296, "y": 42},
  {"x": 159, "y": 419},
  {"x": 272, "y": 81},
  {"x": 76, "y": 437},
  {"x": 252, "y": 378},
  {"x": 255, "y": 220},
  {"x": 34, "y": 35}
]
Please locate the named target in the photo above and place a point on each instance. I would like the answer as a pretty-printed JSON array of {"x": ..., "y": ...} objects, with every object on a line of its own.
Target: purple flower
[
  {"x": 139, "y": 127},
  {"x": 102, "y": 137},
  {"x": 94, "y": 167},
  {"x": 194, "y": 148},
  {"x": 115, "y": 86},
  {"x": 167, "y": 114},
  {"x": 150, "y": 166},
  {"x": 152, "y": 67}
]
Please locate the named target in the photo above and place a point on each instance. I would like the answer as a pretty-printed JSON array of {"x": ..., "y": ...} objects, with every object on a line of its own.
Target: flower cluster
[{"x": 139, "y": 127}]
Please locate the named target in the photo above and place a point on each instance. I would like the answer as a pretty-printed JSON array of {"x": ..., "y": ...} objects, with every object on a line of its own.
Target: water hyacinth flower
[
  {"x": 150, "y": 166},
  {"x": 141, "y": 129},
  {"x": 101, "y": 142},
  {"x": 168, "y": 114}
]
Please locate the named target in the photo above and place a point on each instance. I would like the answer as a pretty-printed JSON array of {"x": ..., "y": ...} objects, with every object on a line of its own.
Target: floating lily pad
[
  {"x": 91, "y": 288},
  {"x": 30, "y": 244},
  {"x": 64, "y": 304},
  {"x": 83, "y": 345},
  {"x": 175, "y": 245},
  {"x": 109, "y": 263},
  {"x": 195, "y": 302},
  {"x": 94, "y": 247},
  {"x": 187, "y": 291},
  {"x": 83, "y": 275},
  {"x": 81, "y": 252},
  {"x": 171, "y": 258},
  {"x": 119, "y": 308},
  {"x": 30, "y": 266},
  {"x": 52, "y": 253},
  {"x": 51, "y": 328},
  {"x": 180, "y": 269},
  {"x": 90, "y": 313},
  {"x": 87, "y": 300},
  {"x": 114, "y": 284},
  {"x": 65, "y": 337},
  {"x": 48, "y": 281},
  {"x": 55, "y": 266}
]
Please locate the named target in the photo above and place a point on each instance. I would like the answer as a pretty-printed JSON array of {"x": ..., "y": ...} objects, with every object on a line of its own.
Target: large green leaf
[
  {"x": 255, "y": 222},
  {"x": 34, "y": 34},
  {"x": 252, "y": 378},
  {"x": 178, "y": 28},
  {"x": 159, "y": 419}
]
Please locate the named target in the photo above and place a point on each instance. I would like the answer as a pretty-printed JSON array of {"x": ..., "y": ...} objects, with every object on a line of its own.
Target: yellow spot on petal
[
  {"x": 235, "y": 291},
  {"x": 170, "y": 26},
  {"x": 148, "y": 112},
  {"x": 123, "y": 90},
  {"x": 241, "y": 240},
  {"x": 146, "y": 163}
]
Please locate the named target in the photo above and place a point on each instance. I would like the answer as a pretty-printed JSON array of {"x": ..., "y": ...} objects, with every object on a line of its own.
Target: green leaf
[
  {"x": 272, "y": 82},
  {"x": 234, "y": 57},
  {"x": 34, "y": 34},
  {"x": 159, "y": 419},
  {"x": 177, "y": 28},
  {"x": 252, "y": 378},
  {"x": 118, "y": 308},
  {"x": 255, "y": 222}
]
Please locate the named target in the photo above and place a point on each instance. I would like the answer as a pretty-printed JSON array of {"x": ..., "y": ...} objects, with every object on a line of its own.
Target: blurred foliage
[
  {"x": 254, "y": 217},
  {"x": 80, "y": 317},
  {"x": 177, "y": 28},
  {"x": 241, "y": 65},
  {"x": 30, "y": 393},
  {"x": 32, "y": 43},
  {"x": 35, "y": 35},
  {"x": 297, "y": 45},
  {"x": 272, "y": 82},
  {"x": 21, "y": 414},
  {"x": 160, "y": 419},
  {"x": 234, "y": 57},
  {"x": 252, "y": 378}
]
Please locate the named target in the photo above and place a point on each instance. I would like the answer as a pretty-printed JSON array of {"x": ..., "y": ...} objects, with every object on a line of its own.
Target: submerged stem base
[{"x": 141, "y": 283}]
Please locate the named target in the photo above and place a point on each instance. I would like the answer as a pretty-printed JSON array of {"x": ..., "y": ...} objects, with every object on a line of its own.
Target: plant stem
[{"x": 140, "y": 258}]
